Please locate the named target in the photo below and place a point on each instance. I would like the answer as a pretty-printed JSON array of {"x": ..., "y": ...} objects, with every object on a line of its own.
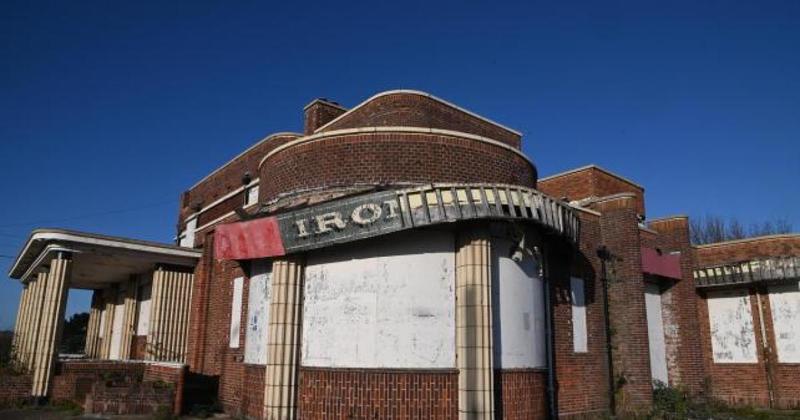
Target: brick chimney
[{"x": 320, "y": 112}]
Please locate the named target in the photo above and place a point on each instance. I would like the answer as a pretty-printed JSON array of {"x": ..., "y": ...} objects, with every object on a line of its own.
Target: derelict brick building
[{"x": 402, "y": 259}]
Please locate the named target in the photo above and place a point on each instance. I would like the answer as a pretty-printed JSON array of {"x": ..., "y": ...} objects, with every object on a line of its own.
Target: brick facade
[
  {"x": 590, "y": 182},
  {"x": 609, "y": 207},
  {"x": 112, "y": 387},
  {"x": 377, "y": 393},
  {"x": 390, "y": 158},
  {"x": 766, "y": 382},
  {"x": 522, "y": 394},
  {"x": 410, "y": 109}
]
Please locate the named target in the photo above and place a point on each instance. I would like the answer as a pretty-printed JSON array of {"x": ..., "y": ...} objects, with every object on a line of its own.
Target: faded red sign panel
[
  {"x": 259, "y": 238},
  {"x": 665, "y": 265}
]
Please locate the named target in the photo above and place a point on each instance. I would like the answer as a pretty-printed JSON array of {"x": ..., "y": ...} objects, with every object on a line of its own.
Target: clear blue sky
[{"x": 108, "y": 110}]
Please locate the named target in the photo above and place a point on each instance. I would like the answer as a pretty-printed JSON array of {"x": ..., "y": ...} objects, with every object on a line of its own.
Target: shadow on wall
[{"x": 200, "y": 394}]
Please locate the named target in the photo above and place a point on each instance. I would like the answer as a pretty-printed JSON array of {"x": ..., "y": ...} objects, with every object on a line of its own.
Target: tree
[
  {"x": 73, "y": 339},
  {"x": 711, "y": 229}
]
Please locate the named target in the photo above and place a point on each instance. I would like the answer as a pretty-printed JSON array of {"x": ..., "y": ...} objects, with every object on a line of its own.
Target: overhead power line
[{"x": 86, "y": 216}]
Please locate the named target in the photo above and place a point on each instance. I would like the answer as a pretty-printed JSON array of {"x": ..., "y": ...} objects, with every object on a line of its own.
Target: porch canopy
[{"x": 54, "y": 260}]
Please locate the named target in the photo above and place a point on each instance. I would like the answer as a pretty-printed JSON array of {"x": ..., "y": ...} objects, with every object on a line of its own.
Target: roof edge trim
[
  {"x": 590, "y": 166},
  {"x": 420, "y": 93},
  {"x": 267, "y": 138},
  {"x": 401, "y": 129},
  {"x": 50, "y": 234}
]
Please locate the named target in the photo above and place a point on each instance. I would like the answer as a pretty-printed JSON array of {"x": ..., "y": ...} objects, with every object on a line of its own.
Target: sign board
[{"x": 378, "y": 213}]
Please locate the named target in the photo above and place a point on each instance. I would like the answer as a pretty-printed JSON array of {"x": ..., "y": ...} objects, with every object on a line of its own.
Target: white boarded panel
[
  {"x": 116, "y": 331},
  {"x": 733, "y": 339},
  {"x": 580, "y": 339},
  {"x": 655, "y": 334},
  {"x": 518, "y": 306},
  {"x": 785, "y": 304},
  {"x": 387, "y": 303},
  {"x": 236, "y": 312},
  {"x": 143, "y": 310},
  {"x": 259, "y": 295}
]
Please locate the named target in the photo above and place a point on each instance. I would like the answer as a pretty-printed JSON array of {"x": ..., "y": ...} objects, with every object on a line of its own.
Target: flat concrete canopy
[{"x": 97, "y": 260}]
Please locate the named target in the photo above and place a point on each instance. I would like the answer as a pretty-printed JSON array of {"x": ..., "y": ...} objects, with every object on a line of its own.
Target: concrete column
[
  {"x": 474, "y": 326},
  {"x": 17, "y": 321},
  {"x": 93, "y": 327},
  {"x": 283, "y": 342},
  {"x": 34, "y": 317},
  {"x": 169, "y": 314},
  {"x": 51, "y": 323},
  {"x": 109, "y": 301},
  {"x": 129, "y": 319}
]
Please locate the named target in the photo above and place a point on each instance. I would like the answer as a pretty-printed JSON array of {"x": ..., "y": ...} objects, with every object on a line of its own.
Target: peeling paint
[
  {"x": 731, "y": 321},
  {"x": 258, "y": 299},
  {"x": 785, "y": 303},
  {"x": 389, "y": 303}
]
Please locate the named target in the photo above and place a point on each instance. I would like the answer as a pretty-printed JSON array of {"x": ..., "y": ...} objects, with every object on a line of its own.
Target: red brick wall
[
  {"x": 680, "y": 301},
  {"x": 253, "y": 387},
  {"x": 620, "y": 230},
  {"x": 743, "y": 384},
  {"x": 72, "y": 381},
  {"x": 523, "y": 393},
  {"x": 138, "y": 347},
  {"x": 413, "y": 110},
  {"x": 228, "y": 178},
  {"x": 590, "y": 182},
  {"x": 581, "y": 378},
  {"x": 15, "y": 389},
  {"x": 748, "y": 249},
  {"x": 209, "y": 326},
  {"x": 784, "y": 376},
  {"x": 377, "y": 393},
  {"x": 319, "y": 113},
  {"x": 749, "y": 383},
  {"x": 140, "y": 398},
  {"x": 386, "y": 158},
  {"x": 739, "y": 383},
  {"x": 84, "y": 382}
]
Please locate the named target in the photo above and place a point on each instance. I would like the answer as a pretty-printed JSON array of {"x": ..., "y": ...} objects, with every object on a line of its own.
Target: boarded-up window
[
  {"x": 730, "y": 318},
  {"x": 187, "y": 236},
  {"x": 251, "y": 197},
  {"x": 518, "y": 306},
  {"x": 236, "y": 312},
  {"x": 785, "y": 303},
  {"x": 579, "y": 334},
  {"x": 143, "y": 309},
  {"x": 255, "y": 346},
  {"x": 382, "y": 304}
]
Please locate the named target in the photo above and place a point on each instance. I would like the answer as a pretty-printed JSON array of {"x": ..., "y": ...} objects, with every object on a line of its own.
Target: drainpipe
[
  {"x": 605, "y": 255},
  {"x": 765, "y": 348},
  {"x": 548, "y": 331}
]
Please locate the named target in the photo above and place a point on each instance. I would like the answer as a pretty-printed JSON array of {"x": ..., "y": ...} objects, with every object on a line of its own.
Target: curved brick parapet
[{"x": 390, "y": 156}]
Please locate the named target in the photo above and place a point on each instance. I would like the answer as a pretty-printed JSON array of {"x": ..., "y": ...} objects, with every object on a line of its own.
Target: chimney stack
[{"x": 320, "y": 112}]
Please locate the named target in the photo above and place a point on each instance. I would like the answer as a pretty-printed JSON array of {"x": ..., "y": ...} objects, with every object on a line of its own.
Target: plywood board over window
[
  {"x": 785, "y": 303},
  {"x": 580, "y": 339},
  {"x": 255, "y": 346},
  {"x": 730, "y": 318},
  {"x": 382, "y": 304},
  {"x": 236, "y": 312}
]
